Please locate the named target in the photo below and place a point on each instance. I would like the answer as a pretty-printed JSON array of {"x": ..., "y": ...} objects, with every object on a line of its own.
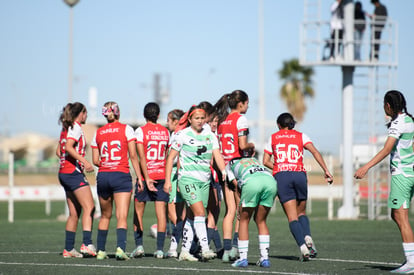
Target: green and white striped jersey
[
  {"x": 244, "y": 169},
  {"x": 402, "y": 155},
  {"x": 195, "y": 153}
]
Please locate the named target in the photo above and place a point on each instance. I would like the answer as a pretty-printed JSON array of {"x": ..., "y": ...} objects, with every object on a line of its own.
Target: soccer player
[
  {"x": 152, "y": 143},
  {"x": 111, "y": 146},
  {"x": 232, "y": 132},
  {"x": 71, "y": 152},
  {"x": 195, "y": 149},
  {"x": 287, "y": 147},
  {"x": 176, "y": 207},
  {"x": 258, "y": 191},
  {"x": 399, "y": 145}
]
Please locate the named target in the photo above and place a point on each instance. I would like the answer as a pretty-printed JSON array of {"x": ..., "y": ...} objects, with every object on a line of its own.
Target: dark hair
[
  {"x": 152, "y": 111},
  {"x": 229, "y": 101},
  {"x": 397, "y": 104},
  {"x": 69, "y": 113},
  {"x": 206, "y": 106},
  {"x": 176, "y": 114},
  {"x": 286, "y": 120}
]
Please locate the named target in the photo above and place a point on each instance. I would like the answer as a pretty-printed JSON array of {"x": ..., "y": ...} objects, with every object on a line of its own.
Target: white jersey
[
  {"x": 195, "y": 153},
  {"x": 402, "y": 155}
]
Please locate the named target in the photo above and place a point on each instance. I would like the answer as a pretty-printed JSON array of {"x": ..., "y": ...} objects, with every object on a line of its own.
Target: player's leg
[
  {"x": 103, "y": 225},
  {"x": 228, "y": 222},
  {"x": 71, "y": 226},
  {"x": 243, "y": 241}
]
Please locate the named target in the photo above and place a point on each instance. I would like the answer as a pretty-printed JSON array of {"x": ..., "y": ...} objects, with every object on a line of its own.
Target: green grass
[{"x": 34, "y": 242}]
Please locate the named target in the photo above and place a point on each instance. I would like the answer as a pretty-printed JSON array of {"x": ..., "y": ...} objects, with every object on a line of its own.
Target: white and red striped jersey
[{"x": 67, "y": 163}]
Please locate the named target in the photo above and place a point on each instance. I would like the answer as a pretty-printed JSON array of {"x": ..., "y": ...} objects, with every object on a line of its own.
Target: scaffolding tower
[{"x": 364, "y": 82}]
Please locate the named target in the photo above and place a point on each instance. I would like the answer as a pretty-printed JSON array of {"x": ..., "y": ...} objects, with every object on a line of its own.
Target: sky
[{"x": 201, "y": 49}]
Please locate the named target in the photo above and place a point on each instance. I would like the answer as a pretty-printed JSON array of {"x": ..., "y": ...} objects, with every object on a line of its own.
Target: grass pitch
[{"x": 34, "y": 242}]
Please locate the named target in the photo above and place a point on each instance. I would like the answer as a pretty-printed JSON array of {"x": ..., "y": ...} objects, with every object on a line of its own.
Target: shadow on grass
[{"x": 382, "y": 267}]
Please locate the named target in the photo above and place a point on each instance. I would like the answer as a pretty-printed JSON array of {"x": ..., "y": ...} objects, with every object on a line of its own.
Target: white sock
[
  {"x": 409, "y": 252},
  {"x": 188, "y": 236},
  {"x": 243, "y": 248},
  {"x": 264, "y": 244},
  {"x": 201, "y": 231},
  {"x": 173, "y": 244}
]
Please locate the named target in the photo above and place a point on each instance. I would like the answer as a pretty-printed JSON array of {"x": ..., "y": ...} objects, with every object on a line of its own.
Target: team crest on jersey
[
  {"x": 208, "y": 140},
  {"x": 193, "y": 196}
]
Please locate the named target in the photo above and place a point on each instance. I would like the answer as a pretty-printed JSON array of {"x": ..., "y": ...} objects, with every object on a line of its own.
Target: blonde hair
[{"x": 111, "y": 111}]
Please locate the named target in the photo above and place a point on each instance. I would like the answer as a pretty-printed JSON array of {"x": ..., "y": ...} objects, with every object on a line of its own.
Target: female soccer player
[
  {"x": 71, "y": 151},
  {"x": 399, "y": 145},
  {"x": 232, "y": 131},
  {"x": 152, "y": 143},
  {"x": 176, "y": 208},
  {"x": 195, "y": 149},
  {"x": 287, "y": 146},
  {"x": 111, "y": 146},
  {"x": 258, "y": 191}
]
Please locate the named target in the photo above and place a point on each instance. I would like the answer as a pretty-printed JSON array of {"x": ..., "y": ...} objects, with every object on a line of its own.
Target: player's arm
[
  {"x": 135, "y": 163},
  {"x": 385, "y": 151},
  {"x": 218, "y": 158},
  {"x": 243, "y": 144},
  {"x": 267, "y": 160},
  {"x": 70, "y": 148},
  {"x": 318, "y": 157},
  {"x": 143, "y": 162},
  {"x": 58, "y": 150},
  {"x": 168, "y": 169},
  {"x": 96, "y": 159}
]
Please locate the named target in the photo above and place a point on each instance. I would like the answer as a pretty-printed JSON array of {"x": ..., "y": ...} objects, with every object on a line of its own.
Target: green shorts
[
  {"x": 193, "y": 190},
  {"x": 174, "y": 195},
  {"x": 402, "y": 190},
  {"x": 260, "y": 190}
]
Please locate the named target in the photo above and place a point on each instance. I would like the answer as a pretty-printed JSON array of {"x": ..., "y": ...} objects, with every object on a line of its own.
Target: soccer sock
[
  {"x": 409, "y": 252},
  {"x": 217, "y": 240},
  {"x": 101, "y": 240},
  {"x": 243, "y": 249},
  {"x": 121, "y": 237},
  {"x": 87, "y": 237},
  {"x": 210, "y": 234},
  {"x": 227, "y": 244},
  {"x": 304, "y": 222},
  {"x": 69, "y": 240},
  {"x": 297, "y": 232},
  {"x": 188, "y": 236},
  {"x": 201, "y": 231},
  {"x": 178, "y": 231},
  {"x": 160, "y": 240},
  {"x": 264, "y": 244},
  {"x": 138, "y": 237},
  {"x": 235, "y": 239}
]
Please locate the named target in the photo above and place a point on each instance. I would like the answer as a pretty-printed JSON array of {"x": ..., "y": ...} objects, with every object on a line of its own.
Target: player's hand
[
  {"x": 167, "y": 187},
  {"x": 361, "y": 172},
  {"x": 151, "y": 185},
  {"x": 328, "y": 177},
  {"x": 88, "y": 167},
  {"x": 140, "y": 185}
]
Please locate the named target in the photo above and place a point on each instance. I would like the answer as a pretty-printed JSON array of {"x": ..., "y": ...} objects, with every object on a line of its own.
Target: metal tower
[{"x": 315, "y": 41}]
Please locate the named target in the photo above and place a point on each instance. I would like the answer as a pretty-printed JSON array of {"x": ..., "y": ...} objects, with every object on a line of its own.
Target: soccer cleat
[
  {"x": 311, "y": 246},
  {"x": 226, "y": 256},
  {"x": 304, "y": 253},
  {"x": 405, "y": 268},
  {"x": 240, "y": 263},
  {"x": 71, "y": 254},
  {"x": 172, "y": 254},
  {"x": 186, "y": 256},
  {"x": 138, "y": 252},
  {"x": 234, "y": 253},
  {"x": 101, "y": 255},
  {"x": 159, "y": 254},
  {"x": 88, "y": 250},
  {"x": 208, "y": 255},
  {"x": 263, "y": 263},
  {"x": 120, "y": 255}
]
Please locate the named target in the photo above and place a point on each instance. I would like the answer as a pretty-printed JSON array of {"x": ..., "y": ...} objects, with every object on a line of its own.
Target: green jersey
[
  {"x": 195, "y": 153},
  {"x": 245, "y": 169},
  {"x": 402, "y": 155}
]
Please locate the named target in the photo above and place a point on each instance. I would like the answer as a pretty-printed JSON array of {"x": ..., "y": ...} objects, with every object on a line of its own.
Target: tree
[{"x": 297, "y": 86}]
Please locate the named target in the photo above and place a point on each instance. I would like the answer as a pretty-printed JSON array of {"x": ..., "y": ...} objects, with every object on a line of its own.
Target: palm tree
[{"x": 297, "y": 86}]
